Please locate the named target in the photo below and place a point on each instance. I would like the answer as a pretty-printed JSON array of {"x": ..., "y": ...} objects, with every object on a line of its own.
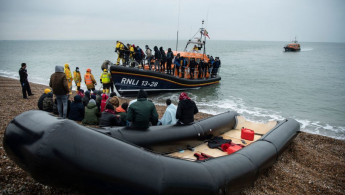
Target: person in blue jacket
[
  {"x": 183, "y": 66},
  {"x": 216, "y": 66},
  {"x": 170, "y": 56},
  {"x": 177, "y": 63}
]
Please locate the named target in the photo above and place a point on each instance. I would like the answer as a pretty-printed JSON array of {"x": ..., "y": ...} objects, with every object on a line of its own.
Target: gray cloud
[{"x": 269, "y": 20}]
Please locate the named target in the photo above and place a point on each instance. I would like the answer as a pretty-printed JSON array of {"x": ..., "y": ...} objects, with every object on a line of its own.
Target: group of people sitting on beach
[
  {"x": 162, "y": 61},
  {"x": 97, "y": 108}
]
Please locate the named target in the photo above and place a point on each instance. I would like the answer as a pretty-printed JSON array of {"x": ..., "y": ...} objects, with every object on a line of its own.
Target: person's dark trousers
[
  {"x": 26, "y": 88},
  {"x": 169, "y": 67}
]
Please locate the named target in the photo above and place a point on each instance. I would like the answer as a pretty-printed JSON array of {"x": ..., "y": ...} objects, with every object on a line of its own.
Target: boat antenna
[
  {"x": 203, "y": 55},
  {"x": 178, "y": 23}
]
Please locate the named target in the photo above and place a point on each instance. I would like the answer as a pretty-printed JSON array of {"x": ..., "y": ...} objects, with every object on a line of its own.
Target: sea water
[{"x": 259, "y": 80}]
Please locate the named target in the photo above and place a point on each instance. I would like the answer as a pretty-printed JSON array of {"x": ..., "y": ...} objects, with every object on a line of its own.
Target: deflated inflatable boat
[{"x": 62, "y": 153}]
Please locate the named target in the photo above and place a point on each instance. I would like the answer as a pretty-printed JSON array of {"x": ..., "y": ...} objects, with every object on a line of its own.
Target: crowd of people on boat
[
  {"x": 96, "y": 107},
  {"x": 166, "y": 62}
]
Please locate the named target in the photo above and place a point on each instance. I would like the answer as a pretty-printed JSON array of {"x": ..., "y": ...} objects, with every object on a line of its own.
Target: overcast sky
[{"x": 266, "y": 20}]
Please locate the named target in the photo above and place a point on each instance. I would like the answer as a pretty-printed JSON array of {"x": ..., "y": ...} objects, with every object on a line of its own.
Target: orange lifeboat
[{"x": 294, "y": 46}]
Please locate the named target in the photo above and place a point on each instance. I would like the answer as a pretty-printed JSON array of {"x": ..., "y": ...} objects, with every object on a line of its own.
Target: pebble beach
[{"x": 311, "y": 164}]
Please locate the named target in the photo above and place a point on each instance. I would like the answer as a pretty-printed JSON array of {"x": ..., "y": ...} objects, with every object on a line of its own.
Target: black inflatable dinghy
[{"x": 62, "y": 153}]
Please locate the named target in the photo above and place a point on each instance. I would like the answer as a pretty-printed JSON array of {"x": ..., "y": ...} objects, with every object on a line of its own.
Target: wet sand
[{"x": 312, "y": 164}]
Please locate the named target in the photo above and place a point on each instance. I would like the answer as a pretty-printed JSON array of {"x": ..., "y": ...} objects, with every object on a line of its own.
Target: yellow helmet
[
  {"x": 66, "y": 66},
  {"x": 105, "y": 70},
  {"x": 46, "y": 91}
]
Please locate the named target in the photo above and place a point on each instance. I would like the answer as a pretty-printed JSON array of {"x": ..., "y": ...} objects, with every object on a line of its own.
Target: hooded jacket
[
  {"x": 40, "y": 101},
  {"x": 123, "y": 115},
  {"x": 86, "y": 98},
  {"x": 142, "y": 112},
  {"x": 157, "y": 53},
  {"x": 77, "y": 77},
  {"x": 58, "y": 81},
  {"x": 169, "y": 116},
  {"x": 77, "y": 109},
  {"x": 91, "y": 113},
  {"x": 109, "y": 118},
  {"x": 48, "y": 103},
  {"x": 104, "y": 102},
  {"x": 68, "y": 73},
  {"x": 186, "y": 109}
]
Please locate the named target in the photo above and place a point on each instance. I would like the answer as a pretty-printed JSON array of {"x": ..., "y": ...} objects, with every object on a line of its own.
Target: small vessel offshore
[
  {"x": 130, "y": 79},
  {"x": 293, "y": 46},
  {"x": 221, "y": 154}
]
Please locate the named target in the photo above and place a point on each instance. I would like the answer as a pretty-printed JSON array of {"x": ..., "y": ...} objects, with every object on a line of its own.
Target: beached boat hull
[
  {"x": 130, "y": 80},
  {"x": 62, "y": 153}
]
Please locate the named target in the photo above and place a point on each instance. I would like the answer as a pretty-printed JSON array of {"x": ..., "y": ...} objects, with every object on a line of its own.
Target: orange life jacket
[{"x": 88, "y": 79}]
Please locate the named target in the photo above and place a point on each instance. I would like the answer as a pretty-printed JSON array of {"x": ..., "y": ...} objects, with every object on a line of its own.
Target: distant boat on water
[{"x": 293, "y": 46}]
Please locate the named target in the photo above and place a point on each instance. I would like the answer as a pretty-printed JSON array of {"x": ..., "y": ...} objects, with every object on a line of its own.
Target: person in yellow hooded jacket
[
  {"x": 89, "y": 80},
  {"x": 77, "y": 78},
  {"x": 68, "y": 77},
  {"x": 106, "y": 81},
  {"x": 120, "y": 49}
]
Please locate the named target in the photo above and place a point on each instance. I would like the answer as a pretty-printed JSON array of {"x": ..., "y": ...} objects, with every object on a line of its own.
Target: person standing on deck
[
  {"x": 158, "y": 58},
  {"x": 120, "y": 52},
  {"x": 163, "y": 59},
  {"x": 192, "y": 66},
  {"x": 216, "y": 66},
  {"x": 148, "y": 55},
  {"x": 77, "y": 78},
  {"x": 23, "y": 75},
  {"x": 138, "y": 55},
  {"x": 201, "y": 68},
  {"x": 183, "y": 66},
  {"x": 170, "y": 56},
  {"x": 177, "y": 65},
  {"x": 205, "y": 70},
  {"x": 69, "y": 78}
]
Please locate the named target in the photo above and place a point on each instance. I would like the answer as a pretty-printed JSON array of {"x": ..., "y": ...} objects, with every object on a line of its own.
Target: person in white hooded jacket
[{"x": 169, "y": 117}]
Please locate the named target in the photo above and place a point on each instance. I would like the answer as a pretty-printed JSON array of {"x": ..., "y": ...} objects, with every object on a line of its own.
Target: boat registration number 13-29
[{"x": 127, "y": 81}]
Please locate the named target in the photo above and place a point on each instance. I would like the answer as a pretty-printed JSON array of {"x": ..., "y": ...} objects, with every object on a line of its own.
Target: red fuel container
[
  {"x": 233, "y": 148},
  {"x": 247, "y": 134}
]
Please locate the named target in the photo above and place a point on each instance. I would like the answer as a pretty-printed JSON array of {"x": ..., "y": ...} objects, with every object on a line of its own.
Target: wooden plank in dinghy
[{"x": 233, "y": 134}]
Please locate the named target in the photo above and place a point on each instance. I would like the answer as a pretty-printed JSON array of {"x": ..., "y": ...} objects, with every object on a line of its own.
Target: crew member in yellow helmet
[
  {"x": 120, "y": 49},
  {"x": 77, "y": 78},
  {"x": 106, "y": 81},
  {"x": 89, "y": 80},
  {"x": 68, "y": 77}
]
